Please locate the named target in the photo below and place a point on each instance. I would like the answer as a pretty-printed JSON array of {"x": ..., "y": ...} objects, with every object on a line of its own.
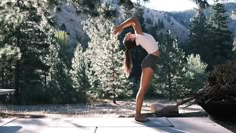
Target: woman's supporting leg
[{"x": 146, "y": 78}]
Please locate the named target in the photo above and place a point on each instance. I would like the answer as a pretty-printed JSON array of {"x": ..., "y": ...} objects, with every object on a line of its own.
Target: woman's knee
[
  {"x": 142, "y": 90},
  {"x": 140, "y": 95}
]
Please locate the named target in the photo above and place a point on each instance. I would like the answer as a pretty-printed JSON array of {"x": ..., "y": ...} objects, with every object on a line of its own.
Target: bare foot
[{"x": 141, "y": 119}]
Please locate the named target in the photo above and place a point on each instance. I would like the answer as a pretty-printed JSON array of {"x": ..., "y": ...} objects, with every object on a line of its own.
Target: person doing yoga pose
[{"x": 148, "y": 65}]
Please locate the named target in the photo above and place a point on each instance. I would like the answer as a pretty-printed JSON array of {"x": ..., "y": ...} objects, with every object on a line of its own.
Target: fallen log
[
  {"x": 219, "y": 89},
  {"x": 167, "y": 109}
]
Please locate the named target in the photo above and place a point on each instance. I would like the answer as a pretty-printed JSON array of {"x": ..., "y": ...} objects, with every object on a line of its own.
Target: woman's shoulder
[
  {"x": 147, "y": 34},
  {"x": 144, "y": 34}
]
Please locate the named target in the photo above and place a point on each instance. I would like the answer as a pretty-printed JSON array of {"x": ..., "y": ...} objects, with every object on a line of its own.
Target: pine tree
[
  {"x": 25, "y": 27},
  {"x": 10, "y": 53},
  {"x": 177, "y": 76},
  {"x": 199, "y": 39},
  {"x": 170, "y": 69},
  {"x": 106, "y": 60},
  {"x": 79, "y": 74},
  {"x": 195, "y": 74},
  {"x": 8, "y": 57},
  {"x": 62, "y": 88},
  {"x": 202, "y": 4},
  {"x": 95, "y": 7},
  {"x": 221, "y": 38}
]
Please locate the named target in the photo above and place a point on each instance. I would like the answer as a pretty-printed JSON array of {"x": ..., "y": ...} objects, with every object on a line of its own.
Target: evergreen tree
[
  {"x": 25, "y": 28},
  {"x": 220, "y": 37},
  {"x": 202, "y": 4},
  {"x": 106, "y": 60},
  {"x": 95, "y": 7},
  {"x": 8, "y": 57},
  {"x": 79, "y": 74},
  {"x": 170, "y": 69},
  {"x": 10, "y": 53},
  {"x": 199, "y": 39},
  {"x": 62, "y": 88},
  {"x": 195, "y": 74}
]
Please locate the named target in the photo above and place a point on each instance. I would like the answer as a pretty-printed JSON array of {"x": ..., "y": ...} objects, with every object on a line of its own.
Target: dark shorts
[{"x": 150, "y": 61}]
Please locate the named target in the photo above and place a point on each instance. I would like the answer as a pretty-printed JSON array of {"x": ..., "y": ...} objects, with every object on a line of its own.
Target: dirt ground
[{"x": 102, "y": 109}]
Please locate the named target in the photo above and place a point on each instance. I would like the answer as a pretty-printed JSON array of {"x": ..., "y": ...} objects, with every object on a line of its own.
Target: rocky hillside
[
  {"x": 184, "y": 17},
  {"x": 69, "y": 20},
  {"x": 153, "y": 17}
]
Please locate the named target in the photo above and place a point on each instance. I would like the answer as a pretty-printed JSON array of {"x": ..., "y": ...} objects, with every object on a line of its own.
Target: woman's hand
[{"x": 117, "y": 30}]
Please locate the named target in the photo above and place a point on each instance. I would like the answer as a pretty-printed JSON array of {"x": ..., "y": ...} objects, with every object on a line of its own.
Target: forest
[{"x": 44, "y": 65}]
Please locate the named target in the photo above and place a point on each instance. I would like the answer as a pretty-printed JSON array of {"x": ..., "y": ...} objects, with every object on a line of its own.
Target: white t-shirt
[{"x": 147, "y": 41}]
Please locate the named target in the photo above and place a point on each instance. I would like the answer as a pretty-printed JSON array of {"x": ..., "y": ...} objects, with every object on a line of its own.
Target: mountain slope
[
  {"x": 69, "y": 20},
  {"x": 185, "y": 16},
  {"x": 153, "y": 17}
]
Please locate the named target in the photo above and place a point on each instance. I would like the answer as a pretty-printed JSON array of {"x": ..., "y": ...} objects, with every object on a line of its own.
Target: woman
[{"x": 148, "y": 64}]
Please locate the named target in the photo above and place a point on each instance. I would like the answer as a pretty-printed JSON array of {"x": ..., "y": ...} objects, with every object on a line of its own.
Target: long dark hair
[{"x": 129, "y": 44}]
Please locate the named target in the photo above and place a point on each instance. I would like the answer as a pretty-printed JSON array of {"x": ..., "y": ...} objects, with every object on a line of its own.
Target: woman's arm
[{"x": 133, "y": 21}]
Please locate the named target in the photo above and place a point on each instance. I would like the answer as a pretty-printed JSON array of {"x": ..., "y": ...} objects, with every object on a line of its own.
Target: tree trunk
[
  {"x": 17, "y": 69},
  {"x": 17, "y": 79},
  {"x": 167, "y": 110},
  {"x": 114, "y": 100},
  {"x": 2, "y": 85},
  {"x": 169, "y": 86}
]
